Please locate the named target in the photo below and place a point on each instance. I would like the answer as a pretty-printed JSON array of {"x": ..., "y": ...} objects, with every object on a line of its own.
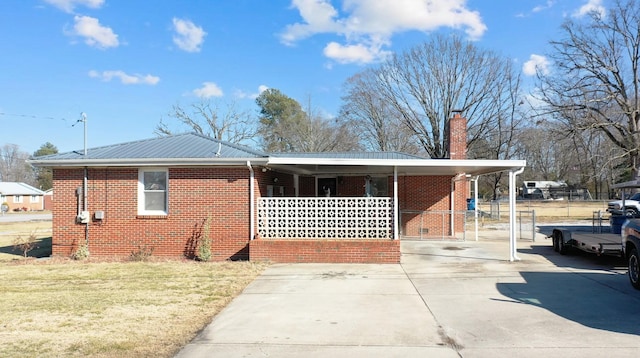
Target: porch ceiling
[{"x": 434, "y": 167}]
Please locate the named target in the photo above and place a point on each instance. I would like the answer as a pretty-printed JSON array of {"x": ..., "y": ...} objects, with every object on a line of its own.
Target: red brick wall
[
  {"x": 417, "y": 194},
  {"x": 326, "y": 251},
  {"x": 222, "y": 194},
  {"x": 307, "y": 186},
  {"x": 195, "y": 194}
]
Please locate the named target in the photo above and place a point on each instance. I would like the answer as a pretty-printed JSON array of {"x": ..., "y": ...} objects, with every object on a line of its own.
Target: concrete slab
[{"x": 446, "y": 299}]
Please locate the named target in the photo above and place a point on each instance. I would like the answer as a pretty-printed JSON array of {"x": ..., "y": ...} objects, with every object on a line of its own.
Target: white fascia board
[
  {"x": 470, "y": 163},
  {"x": 145, "y": 162}
]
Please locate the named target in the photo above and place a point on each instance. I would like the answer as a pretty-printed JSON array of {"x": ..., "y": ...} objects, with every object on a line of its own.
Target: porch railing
[{"x": 325, "y": 218}]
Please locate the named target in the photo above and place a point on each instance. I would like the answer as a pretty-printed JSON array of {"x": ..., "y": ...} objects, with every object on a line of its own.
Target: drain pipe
[
  {"x": 513, "y": 249},
  {"x": 251, "y": 202},
  {"x": 475, "y": 203},
  {"x": 85, "y": 190}
]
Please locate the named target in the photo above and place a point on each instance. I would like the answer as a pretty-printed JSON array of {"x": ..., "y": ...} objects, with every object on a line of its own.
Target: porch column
[
  {"x": 513, "y": 249},
  {"x": 396, "y": 213},
  {"x": 252, "y": 203}
]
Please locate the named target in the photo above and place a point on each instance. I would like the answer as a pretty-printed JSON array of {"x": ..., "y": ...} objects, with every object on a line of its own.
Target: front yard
[{"x": 60, "y": 307}]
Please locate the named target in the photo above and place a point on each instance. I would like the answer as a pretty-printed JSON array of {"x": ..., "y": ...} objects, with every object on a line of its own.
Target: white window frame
[
  {"x": 141, "y": 192},
  {"x": 17, "y": 199},
  {"x": 35, "y": 198}
]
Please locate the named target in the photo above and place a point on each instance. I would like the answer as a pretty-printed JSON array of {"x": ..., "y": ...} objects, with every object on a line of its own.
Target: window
[
  {"x": 152, "y": 191},
  {"x": 17, "y": 198},
  {"x": 35, "y": 199},
  {"x": 376, "y": 186}
]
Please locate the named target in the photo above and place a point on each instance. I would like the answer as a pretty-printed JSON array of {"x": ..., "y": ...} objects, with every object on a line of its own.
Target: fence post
[{"x": 533, "y": 226}]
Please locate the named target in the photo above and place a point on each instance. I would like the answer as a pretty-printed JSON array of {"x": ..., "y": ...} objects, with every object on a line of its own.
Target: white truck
[{"x": 629, "y": 207}]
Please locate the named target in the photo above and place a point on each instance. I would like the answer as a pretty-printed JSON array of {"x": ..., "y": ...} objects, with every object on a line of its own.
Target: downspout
[
  {"x": 85, "y": 190},
  {"x": 513, "y": 249},
  {"x": 396, "y": 213},
  {"x": 251, "y": 202},
  {"x": 475, "y": 203}
]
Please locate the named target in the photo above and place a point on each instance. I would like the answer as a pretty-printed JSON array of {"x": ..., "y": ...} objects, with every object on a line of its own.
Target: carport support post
[
  {"x": 513, "y": 248},
  {"x": 396, "y": 213}
]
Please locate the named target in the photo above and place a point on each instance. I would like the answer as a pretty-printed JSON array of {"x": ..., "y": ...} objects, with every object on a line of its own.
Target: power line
[{"x": 33, "y": 116}]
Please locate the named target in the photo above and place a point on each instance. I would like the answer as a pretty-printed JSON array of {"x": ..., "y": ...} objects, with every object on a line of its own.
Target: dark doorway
[{"x": 327, "y": 186}]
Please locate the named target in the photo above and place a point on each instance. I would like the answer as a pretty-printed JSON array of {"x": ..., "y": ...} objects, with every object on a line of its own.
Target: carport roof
[{"x": 192, "y": 149}]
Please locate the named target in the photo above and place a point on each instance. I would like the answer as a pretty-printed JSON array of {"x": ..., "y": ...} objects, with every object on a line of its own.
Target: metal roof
[
  {"x": 197, "y": 150},
  {"x": 17, "y": 188},
  {"x": 188, "y": 148}
]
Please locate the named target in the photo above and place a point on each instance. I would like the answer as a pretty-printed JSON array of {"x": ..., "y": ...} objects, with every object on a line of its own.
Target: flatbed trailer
[{"x": 565, "y": 239}]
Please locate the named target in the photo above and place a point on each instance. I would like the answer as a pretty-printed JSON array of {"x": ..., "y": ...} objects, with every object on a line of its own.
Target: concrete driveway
[{"x": 446, "y": 299}]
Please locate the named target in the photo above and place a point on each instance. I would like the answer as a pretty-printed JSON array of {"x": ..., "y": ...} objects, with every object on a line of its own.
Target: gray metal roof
[
  {"x": 188, "y": 145},
  {"x": 16, "y": 188},
  {"x": 197, "y": 150},
  {"x": 351, "y": 155}
]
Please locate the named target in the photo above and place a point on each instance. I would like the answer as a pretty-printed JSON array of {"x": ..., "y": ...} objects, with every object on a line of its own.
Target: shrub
[
  {"x": 143, "y": 253},
  {"x": 25, "y": 244},
  {"x": 204, "y": 245},
  {"x": 81, "y": 253}
]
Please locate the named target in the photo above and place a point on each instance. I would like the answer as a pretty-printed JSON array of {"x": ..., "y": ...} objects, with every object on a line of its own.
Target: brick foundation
[{"x": 325, "y": 251}]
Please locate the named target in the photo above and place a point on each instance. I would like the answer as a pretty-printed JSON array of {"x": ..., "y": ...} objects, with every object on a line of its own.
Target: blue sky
[{"x": 125, "y": 63}]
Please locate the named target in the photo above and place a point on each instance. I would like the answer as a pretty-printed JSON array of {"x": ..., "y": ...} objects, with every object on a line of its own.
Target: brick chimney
[{"x": 457, "y": 136}]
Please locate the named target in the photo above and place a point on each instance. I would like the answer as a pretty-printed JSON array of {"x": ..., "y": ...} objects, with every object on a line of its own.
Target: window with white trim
[
  {"x": 17, "y": 198},
  {"x": 35, "y": 198},
  {"x": 153, "y": 191}
]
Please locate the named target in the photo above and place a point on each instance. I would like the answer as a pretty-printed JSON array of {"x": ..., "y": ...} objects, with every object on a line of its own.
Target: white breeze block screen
[{"x": 325, "y": 218}]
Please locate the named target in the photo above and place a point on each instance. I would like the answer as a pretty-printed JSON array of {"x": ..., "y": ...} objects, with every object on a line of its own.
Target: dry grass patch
[
  {"x": 111, "y": 309},
  {"x": 552, "y": 210},
  {"x": 9, "y": 232}
]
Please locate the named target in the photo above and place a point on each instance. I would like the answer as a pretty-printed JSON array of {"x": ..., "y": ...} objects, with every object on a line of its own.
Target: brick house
[
  {"x": 284, "y": 207},
  {"x": 21, "y": 197}
]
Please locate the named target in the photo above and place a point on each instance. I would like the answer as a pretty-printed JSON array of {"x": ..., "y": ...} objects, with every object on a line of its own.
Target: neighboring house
[
  {"x": 21, "y": 196},
  {"x": 48, "y": 199},
  {"x": 158, "y": 194}
]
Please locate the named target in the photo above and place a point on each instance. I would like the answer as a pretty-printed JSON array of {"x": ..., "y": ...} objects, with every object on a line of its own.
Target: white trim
[
  {"x": 396, "y": 213},
  {"x": 141, "y": 192},
  {"x": 252, "y": 202}
]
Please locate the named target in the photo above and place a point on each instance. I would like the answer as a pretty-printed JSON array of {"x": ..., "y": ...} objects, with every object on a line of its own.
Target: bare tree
[
  {"x": 14, "y": 166},
  {"x": 595, "y": 84},
  {"x": 427, "y": 83},
  {"x": 375, "y": 122},
  {"x": 223, "y": 121}
]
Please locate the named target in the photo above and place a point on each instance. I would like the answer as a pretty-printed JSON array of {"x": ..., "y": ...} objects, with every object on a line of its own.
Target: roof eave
[{"x": 146, "y": 162}]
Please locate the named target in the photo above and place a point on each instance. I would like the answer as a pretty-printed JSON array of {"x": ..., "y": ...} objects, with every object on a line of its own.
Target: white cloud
[
  {"x": 124, "y": 77},
  {"x": 546, "y": 6},
  {"x": 242, "y": 94},
  {"x": 589, "y": 7},
  {"x": 69, "y": 5},
  {"x": 358, "y": 53},
  {"x": 208, "y": 90},
  {"x": 189, "y": 37},
  {"x": 367, "y": 26},
  {"x": 536, "y": 63},
  {"x": 94, "y": 33}
]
